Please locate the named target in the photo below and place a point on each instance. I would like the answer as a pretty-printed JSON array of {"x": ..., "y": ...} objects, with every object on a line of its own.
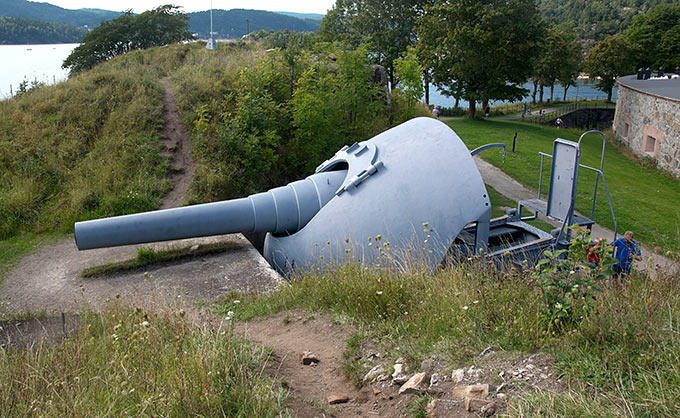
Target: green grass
[
  {"x": 645, "y": 200},
  {"x": 87, "y": 147},
  {"x": 147, "y": 256},
  {"x": 127, "y": 362}
]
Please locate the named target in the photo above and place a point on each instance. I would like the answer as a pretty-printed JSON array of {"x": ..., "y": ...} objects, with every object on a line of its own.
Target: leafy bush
[
  {"x": 569, "y": 284},
  {"x": 262, "y": 120}
]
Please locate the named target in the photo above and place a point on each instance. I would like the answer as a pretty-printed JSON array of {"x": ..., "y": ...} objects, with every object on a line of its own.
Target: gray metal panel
[{"x": 563, "y": 176}]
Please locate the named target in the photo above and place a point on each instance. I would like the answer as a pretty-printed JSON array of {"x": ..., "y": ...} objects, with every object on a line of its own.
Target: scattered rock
[
  {"x": 457, "y": 376},
  {"x": 489, "y": 409},
  {"x": 501, "y": 395},
  {"x": 435, "y": 379},
  {"x": 399, "y": 377},
  {"x": 337, "y": 397},
  {"x": 307, "y": 358},
  {"x": 374, "y": 372},
  {"x": 194, "y": 248},
  {"x": 475, "y": 404},
  {"x": 431, "y": 409},
  {"x": 472, "y": 390},
  {"x": 488, "y": 350},
  {"x": 376, "y": 391},
  {"x": 473, "y": 372},
  {"x": 413, "y": 385}
]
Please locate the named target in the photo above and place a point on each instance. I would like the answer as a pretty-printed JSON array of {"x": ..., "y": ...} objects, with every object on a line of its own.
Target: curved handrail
[{"x": 488, "y": 146}]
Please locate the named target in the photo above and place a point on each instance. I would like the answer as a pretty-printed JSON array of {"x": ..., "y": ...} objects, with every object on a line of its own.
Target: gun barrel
[{"x": 284, "y": 209}]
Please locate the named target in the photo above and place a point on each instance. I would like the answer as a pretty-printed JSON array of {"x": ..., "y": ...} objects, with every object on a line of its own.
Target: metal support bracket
[{"x": 362, "y": 162}]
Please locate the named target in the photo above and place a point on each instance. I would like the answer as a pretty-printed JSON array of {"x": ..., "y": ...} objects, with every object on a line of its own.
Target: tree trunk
[
  {"x": 540, "y": 94},
  {"x": 457, "y": 102},
  {"x": 533, "y": 96},
  {"x": 427, "y": 87},
  {"x": 552, "y": 89},
  {"x": 391, "y": 71},
  {"x": 564, "y": 98},
  {"x": 609, "y": 95},
  {"x": 471, "y": 109}
]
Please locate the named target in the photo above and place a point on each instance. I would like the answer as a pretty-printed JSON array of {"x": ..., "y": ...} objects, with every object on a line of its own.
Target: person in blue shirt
[{"x": 625, "y": 251}]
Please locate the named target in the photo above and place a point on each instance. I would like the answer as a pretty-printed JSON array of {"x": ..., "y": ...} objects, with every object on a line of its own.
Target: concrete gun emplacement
[{"x": 415, "y": 187}]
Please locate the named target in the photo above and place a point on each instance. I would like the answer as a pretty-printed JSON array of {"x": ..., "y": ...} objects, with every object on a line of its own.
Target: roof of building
[{"x": 659, "y": 87}]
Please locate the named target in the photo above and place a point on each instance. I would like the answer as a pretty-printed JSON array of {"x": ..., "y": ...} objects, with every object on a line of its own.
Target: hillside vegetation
[
  {"x": 88, "y": 147},
  {"x": 28, "y": 31},
  {"x": 594, "y": 20},
  {"x": 84, "y": 148}
]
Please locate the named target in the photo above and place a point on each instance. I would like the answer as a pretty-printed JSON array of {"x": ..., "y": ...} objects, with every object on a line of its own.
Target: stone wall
[
  {"x": 587, "y": 119},
  {"x": 650, "y": 126}
]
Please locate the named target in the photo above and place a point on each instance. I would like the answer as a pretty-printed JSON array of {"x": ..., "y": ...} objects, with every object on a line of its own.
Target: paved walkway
[{"x": 511, "y": 188}]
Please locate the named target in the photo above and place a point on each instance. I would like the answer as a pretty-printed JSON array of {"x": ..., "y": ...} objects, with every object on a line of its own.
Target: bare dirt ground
[{"x": 178, "y": 148}]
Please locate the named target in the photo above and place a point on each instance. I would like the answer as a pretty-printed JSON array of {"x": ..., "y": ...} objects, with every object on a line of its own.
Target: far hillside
[
  {"x": 28, "y": 31},
  {"x": 50, "y": 13},
  {"x": 238, "y": 22},
  {"x": 311, "y": 16},
  {"x": 594, "y": 20}
]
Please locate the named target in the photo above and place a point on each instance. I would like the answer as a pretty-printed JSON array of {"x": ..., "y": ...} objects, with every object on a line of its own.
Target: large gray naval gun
[{"x": 412, "y": 191}]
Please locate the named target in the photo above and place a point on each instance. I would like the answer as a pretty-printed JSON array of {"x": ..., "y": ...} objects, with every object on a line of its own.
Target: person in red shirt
[{"x": 594, "y": 252}]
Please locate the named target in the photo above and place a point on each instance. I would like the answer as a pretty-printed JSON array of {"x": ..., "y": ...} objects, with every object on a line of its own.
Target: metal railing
[{"x": 545, "y": 117}]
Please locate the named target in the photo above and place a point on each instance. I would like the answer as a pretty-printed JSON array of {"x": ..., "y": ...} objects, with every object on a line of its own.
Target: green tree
[
  {"x": 411, "y": 88},
  {"x": 335, "y": 103},
  {"x": 482, "y": 50},
  {"x": 387, "y": 26},
  {"x": 608, "y": 60},
  {"x": 670, "y": 48},
  {"x": 647, "y": 32},
  {"x": 559, "y": 61},
  {"x": 161, "y": 26}
]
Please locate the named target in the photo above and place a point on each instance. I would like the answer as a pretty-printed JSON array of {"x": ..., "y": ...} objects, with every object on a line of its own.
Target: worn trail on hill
[{"x": 48, "y": 281}]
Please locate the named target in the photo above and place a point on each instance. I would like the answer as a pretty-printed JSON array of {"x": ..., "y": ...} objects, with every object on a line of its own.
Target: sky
[{"x": 138, "y": 6}]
